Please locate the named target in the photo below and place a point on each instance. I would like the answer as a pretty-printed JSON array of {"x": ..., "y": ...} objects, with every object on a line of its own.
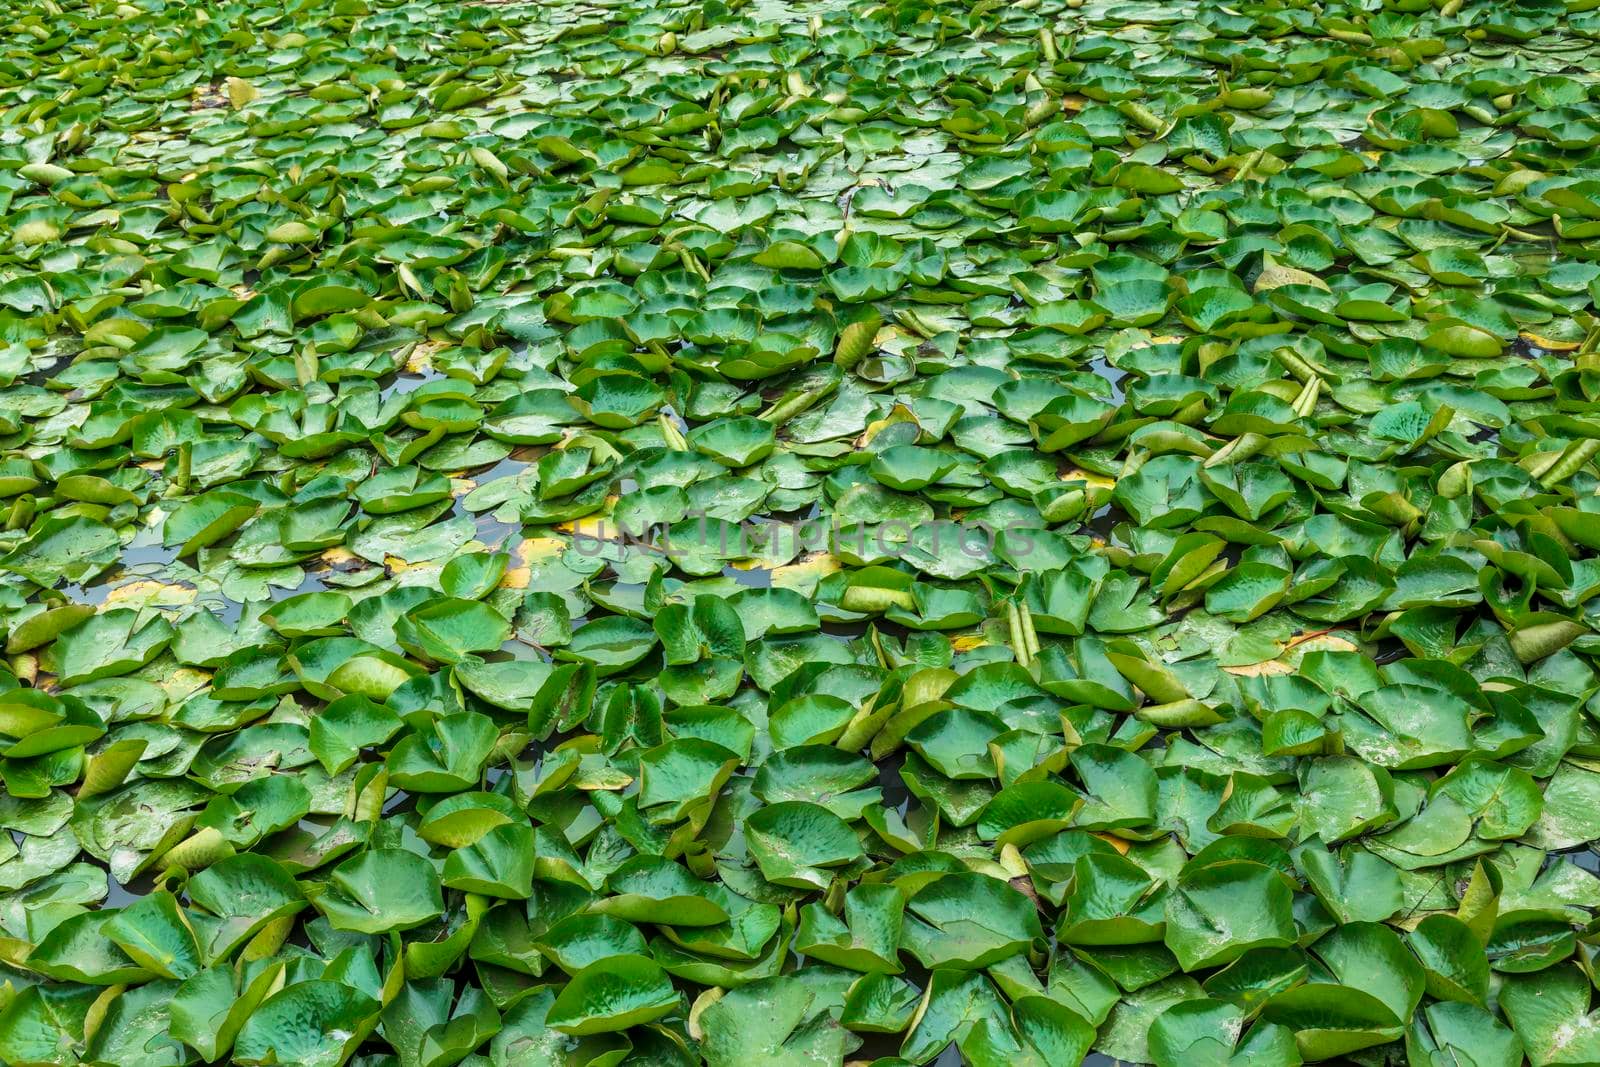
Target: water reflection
[
  {"x": 1583, "y": 857},
  {"x": 407, "y": 382},
  {"x": 1113, "y": 375},
  {"x": 492, "y": 531},
  {"x": 142, "y": 558},
  {"x": 117, "y": 894},
  {"x": 495, "y": 533},
  {"x": 895, "y": 793},
  {"x": 752, "y": 577},
  {"x": 1104, "y": 522}
]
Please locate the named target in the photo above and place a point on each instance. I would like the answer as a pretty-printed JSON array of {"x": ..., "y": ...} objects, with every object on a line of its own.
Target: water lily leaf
[
  {"x": 76, "y": 548},
  {"x": 36, "y": 1023},
  {"x": 613, "y": 994},
  {"x": 138, "y": 1029},
  {"x": 800, "y": 1025},
  {"x": 206, "y": 519},
  {"x": 1112, "y": 901},
  {"x": 108, "y": 644},
  {"x": 1452, "y": 957},
  {"x": 1352, "y": 883},
  {"x": 579, "y": 940},
  {"x": 346, "y": 726},
  {"x": 710, "y": 627},
  {"x": 868, "y": 937},
  {"x": 1201, "y": 1031},
  {"x": 1568, "y": 808},
  {"x": 681, "y": 774},
  {"x": 473, "y": 576},
  {"x": 1550, "y": 1014},
  {"x": 245, "y": 892},
  {"x": 448, "y": 629},
  {"x": 1121, "y": 789},
  {"x": 155, "y": 932},
  {"x": 968, "y": 920},
  {"x": 1217, "y": 913},
  {"x": 317, "y": 1023},
  {"x": 381, "y": 890},
  {"x": 738, "y": 441},
  {"x": 79, "y": 950},
  {"x": 1331, "y": 1020},
  {"x": 956, "y": 1003},
  {"x": 612, "y": 644},
  {"x": 500, "y": 863},
  {"x": 652, "y": 889},
  {"x": 445, "y": 758},
  {"x": 795, "y": 842},
  {"x": 1451, "y": 1028},
  {"x": 553, "y": 549},
  {"x": 35, "y": 724}
]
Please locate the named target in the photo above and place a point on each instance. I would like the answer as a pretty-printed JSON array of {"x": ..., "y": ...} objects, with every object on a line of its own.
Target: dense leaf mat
[{"x": 772, "y": 534}]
